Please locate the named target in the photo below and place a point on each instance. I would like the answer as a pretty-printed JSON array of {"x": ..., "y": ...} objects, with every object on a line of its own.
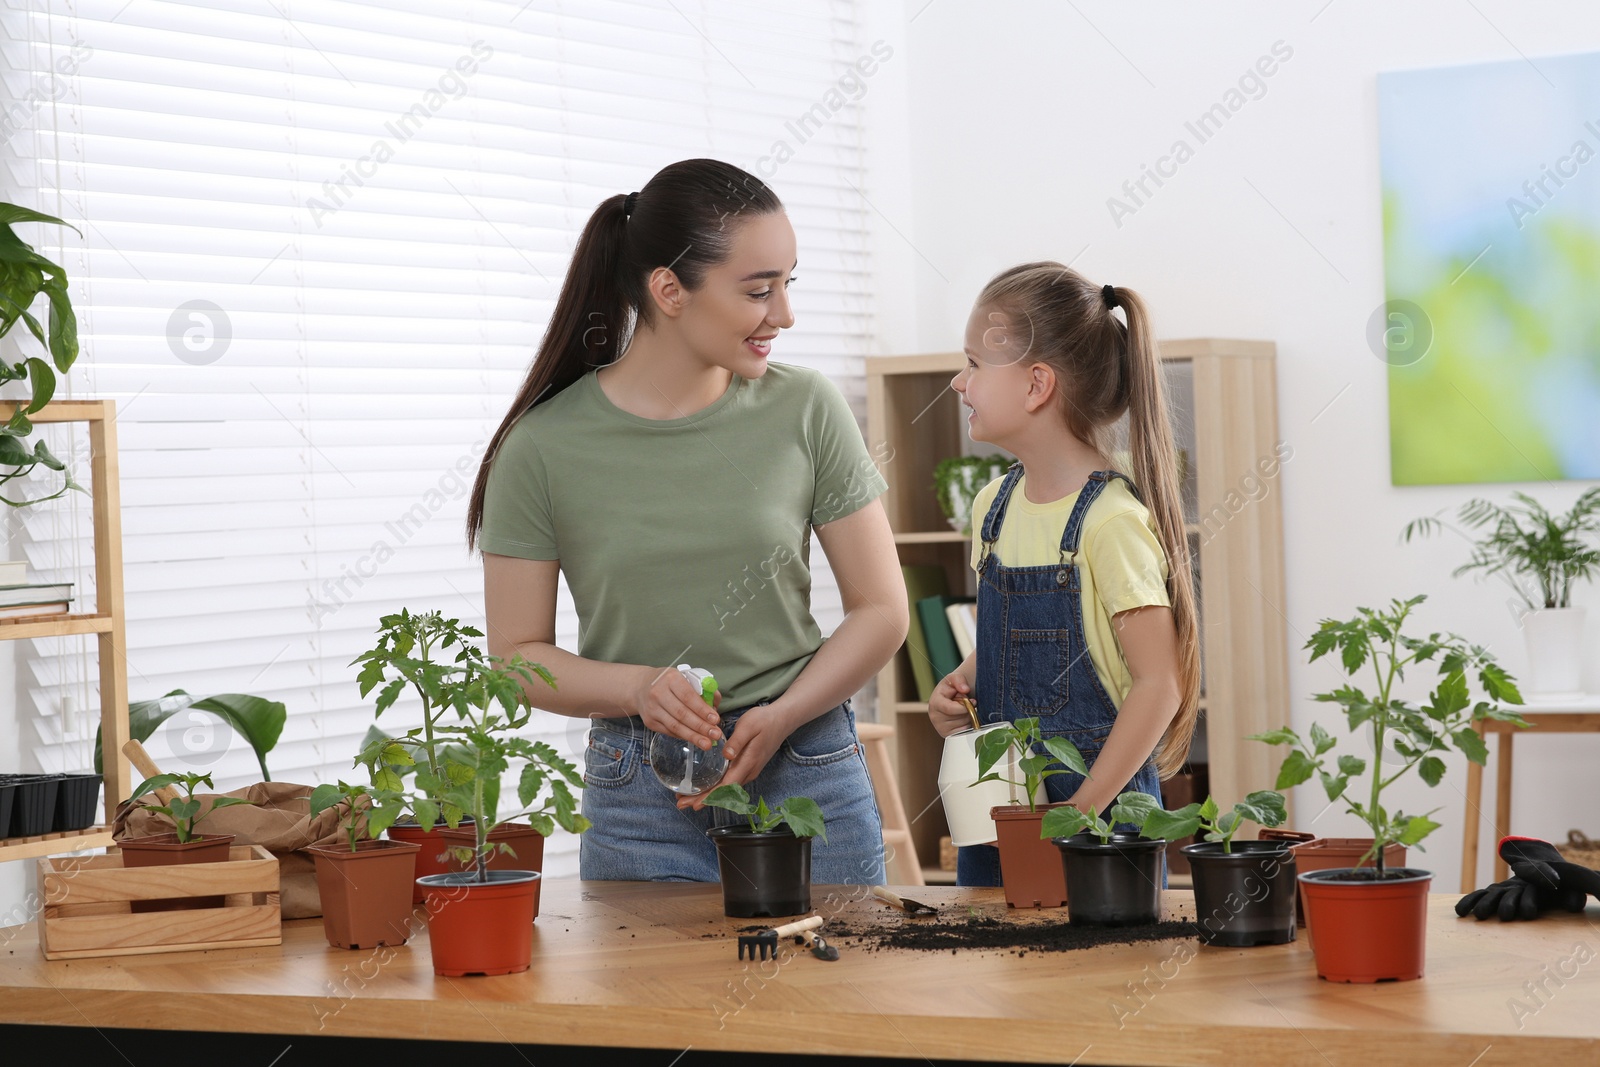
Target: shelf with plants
[
  {"x": 35, "y": 281},
  {"x": 1224, "y": 399}
]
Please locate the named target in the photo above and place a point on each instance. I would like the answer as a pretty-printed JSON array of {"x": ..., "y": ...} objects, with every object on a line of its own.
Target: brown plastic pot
[
  {"x": 1329, "y": 853},
  {"x": 427, "y": 860},
  {"x": 527, "y": 842},
  {"x": 481, "y": 927},
  {"x": 1363, "y": 929},
  {"x": 1030, "y": 866},
  {"x": 366, "y": 894},
  {"x": 160, "y": 850}
]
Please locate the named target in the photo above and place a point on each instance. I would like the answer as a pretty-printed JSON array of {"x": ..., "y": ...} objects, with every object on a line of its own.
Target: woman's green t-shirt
[{"x": 686, "y": 540}]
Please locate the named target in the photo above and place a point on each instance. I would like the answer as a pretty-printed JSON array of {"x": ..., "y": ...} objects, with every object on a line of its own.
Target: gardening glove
[
  {"x": 1510, "y": 900},
  {"x": 1539, "y": 863}
]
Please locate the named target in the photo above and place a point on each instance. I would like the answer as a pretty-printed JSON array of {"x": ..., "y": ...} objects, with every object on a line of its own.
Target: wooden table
[
  {"x": 1581, "y": 716},
  {"x": 641, "y": 965}
]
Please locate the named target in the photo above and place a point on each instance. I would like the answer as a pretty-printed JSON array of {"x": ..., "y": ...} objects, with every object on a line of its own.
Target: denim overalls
[{"x": 1033, "y": 659}]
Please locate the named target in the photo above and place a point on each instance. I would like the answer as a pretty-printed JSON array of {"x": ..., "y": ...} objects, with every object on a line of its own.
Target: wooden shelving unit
[
  {"x": 1224, "y": 399},
  {"x": 107, "y": 622}
]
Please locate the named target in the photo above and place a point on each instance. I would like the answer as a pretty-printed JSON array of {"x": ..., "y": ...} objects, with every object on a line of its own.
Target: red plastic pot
[
  {"x": 160, "y": 850},
  {"x": 527, "y": 842},
  {"x": 481, "y": 927},
  {"x": 1312, "y": 853},
  {"x": 1030, "y": 866},
  {"x": 426, "y": 860},
  {"x": 1363, "y": 929},
  {"x": 366, "y": 894}
]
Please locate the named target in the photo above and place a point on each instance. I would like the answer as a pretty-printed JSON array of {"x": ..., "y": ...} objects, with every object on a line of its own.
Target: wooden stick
[{"x": 146, "y": 766}]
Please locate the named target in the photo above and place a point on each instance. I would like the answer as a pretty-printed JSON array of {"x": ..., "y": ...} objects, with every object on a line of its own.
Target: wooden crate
[{"x": 86, "y": 909}]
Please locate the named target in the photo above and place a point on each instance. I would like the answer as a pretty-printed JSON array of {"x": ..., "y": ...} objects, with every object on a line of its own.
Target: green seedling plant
[
  {"x": 469, "y": 756},
  {"x": 1207, "y": 821},
  {"x": 381, "y": 807},
  {"x": 435, "y": 657},
  {"x": 1022, "y": 736},
  {"x": 1418, "y": 735},
  {"x": 1131, "y": 808},
  {"x": 802, "y": 815},
  {"x": 183, "y": 812}
]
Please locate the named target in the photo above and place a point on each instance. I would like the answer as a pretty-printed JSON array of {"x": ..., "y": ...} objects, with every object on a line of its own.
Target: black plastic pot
[
  {"x": 76, "y": 801},
  {"x": 1244, "y": 897},
  {"x": 1113, "y": 883},
  {"x": 8, "y": 796},
  {"x": 33, "y": 809},
  {"x": 763, "y": 874}
]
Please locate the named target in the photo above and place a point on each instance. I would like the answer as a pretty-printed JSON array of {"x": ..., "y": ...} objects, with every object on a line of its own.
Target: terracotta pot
[
  {"x": 1367, "y": 930},
  {"x": 1246, "y": 896},
  {"x": 161, "y": 850},
  {"x": 1329, "y": 853},
  {"x": 1112, "y": 883},
  {"x": 430, "y": 847},
  {"x": 1030, "y": 866},
  {"x": 763, "y": 874},
  {"x": 481, "y": 927},
  {"x": 527, "y": 842},
  {"x": 366, "y": 894}
]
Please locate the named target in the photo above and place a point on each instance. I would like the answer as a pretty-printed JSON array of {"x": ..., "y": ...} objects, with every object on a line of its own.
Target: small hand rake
[{"x": 765, "y": 944}]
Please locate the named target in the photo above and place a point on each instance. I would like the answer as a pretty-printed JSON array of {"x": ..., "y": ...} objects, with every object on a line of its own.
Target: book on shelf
[
  {"x": 19, "y": 611},
  {"x": 964, "y": 625},
  {"x": 922, "y": 580},
  {"x": 936, "y": 630},
  {"x": 13, "y": 571},
  {"x": 12, "y": 596}
]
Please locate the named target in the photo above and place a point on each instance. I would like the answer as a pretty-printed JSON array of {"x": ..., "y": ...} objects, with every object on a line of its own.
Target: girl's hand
[
  {"x": 945, "y": 710},
  {"x": 669, "y": 705},
  {"x": 756, "y": 739}
]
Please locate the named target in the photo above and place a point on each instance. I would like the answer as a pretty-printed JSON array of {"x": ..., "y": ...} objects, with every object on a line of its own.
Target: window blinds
[{"x": 320, "y": 241}]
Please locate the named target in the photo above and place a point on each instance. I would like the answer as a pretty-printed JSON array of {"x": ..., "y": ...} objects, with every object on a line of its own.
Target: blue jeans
[{"x": 640, "y": 834}]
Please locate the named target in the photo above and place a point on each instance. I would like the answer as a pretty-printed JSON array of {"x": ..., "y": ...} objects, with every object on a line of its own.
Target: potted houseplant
[
  {"x": 1542, "y": 555},
  {"x": 365, "y": 887},
  {"x": 415, "y": 650},
  {"x": 1367, "y": 924},
  {"x": 1030, "y": 868},
  {"x": 765, "y": 865},
  {"x": 481, "y": 919},
  {"x": 183, "y": 844},
  {"x": 1113, "y": 877},
  {"x": 956, "y": 481},
  {"x": 1244, "y": 891},
  {"x": 24, "y": 275}
]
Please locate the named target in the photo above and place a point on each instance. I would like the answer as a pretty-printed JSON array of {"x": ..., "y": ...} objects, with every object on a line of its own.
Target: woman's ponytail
[
  {"x": 1155, "y": 471},
  {"x": 679, "y": 220}
]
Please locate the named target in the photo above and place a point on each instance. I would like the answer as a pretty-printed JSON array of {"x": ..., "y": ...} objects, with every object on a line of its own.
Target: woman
[{"x": 676, "y": 489}]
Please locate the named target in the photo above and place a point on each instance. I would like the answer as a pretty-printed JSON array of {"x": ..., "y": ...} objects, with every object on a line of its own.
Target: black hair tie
[
  {"x": 628, "y": 204},
  {"x": 1109, "y": 294}
]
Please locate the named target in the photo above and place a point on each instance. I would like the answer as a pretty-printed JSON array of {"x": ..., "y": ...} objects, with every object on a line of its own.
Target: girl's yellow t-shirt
[{"x": 1121, "y": 564}]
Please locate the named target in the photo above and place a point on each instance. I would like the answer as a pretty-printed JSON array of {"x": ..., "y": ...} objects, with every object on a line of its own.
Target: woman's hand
[
  {"x": 756, "y": 738},
  {"x": 669, "y": 705},
  {"x": 945, "y": 710}
]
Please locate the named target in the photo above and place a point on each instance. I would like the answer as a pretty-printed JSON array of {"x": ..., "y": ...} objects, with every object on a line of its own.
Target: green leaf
[
  {"x": 1063, "y": 822},
  {"x": 1133, "y": 808},
  {"x": 12, "y": 213},
  {"x": 257, "y": 720},
  {"x": 1333, "y": 785},
  {"x": 1264, "y": 806},
  {"x": 1282, "y": 736},
  {"x": 388, "y": 695},
  {"x": 1297, "y": 767},
  {"x": 1209, "y": 809},
  {"x": 731, "y": 797},
  {"x": 804, "y": 817},
  {"x": 1067, "y": 754},
  {"x": 1321, "y": 739},
  {"x": 1416, "y": 828},
  {"x": 1468, "y": 741},
  {"x": 1171, "y": 825},
  {"x": 992, "y": 746},
  {"x": 1431, "y": 769},
  {"x": 1352, "y": 766},
  {"x": 324, "y": 797},
  {"x": 43, "y": 380}
]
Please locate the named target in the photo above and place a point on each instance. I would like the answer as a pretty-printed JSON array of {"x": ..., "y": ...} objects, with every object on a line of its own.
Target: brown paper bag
[{"x": 279, "y": 821}]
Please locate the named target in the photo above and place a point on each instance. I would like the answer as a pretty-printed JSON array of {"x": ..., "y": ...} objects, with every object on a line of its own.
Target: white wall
[{"x": 1026, "y": 117}]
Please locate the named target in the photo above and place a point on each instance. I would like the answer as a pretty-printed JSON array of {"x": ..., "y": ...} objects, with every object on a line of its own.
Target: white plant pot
[
  {"x": 1555, "y": 645},
  {"x": 966, "y": 806}
]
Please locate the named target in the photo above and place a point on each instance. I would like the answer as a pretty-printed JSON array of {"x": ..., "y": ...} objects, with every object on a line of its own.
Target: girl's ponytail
[
  {"x": 1155, "y": 471},
  {"x": 679, "y": 220}
]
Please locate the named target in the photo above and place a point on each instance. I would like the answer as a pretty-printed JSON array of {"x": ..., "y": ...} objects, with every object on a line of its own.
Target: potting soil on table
[{"x": 985, "y": 933}]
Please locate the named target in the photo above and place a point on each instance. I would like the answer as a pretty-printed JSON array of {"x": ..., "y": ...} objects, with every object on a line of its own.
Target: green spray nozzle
[{"x": 708, "y": 689}]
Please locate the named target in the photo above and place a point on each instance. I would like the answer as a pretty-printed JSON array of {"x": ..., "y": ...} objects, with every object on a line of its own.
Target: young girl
[
  {"x": 1086, "y": 613},
  {"x": 657, "y": 459}
]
